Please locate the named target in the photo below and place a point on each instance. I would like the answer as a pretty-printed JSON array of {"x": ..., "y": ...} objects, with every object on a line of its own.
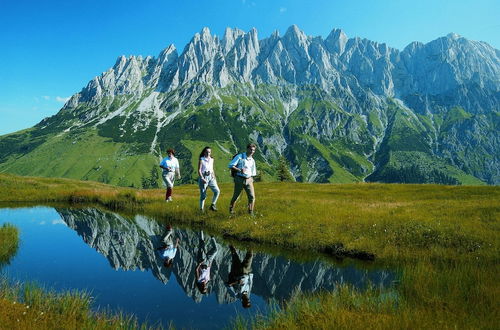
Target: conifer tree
[{"x": 283, "y": 170}]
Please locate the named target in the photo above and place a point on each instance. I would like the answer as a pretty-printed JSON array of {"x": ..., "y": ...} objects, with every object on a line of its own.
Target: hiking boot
[
  {"x": 169, "y": 199},
  {"x": 250, "y": 212},
  {"x": 231, "y": 210},
  {"x": 213, "y": 208}
]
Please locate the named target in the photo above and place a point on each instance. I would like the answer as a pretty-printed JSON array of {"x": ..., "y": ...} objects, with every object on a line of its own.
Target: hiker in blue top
[
  {"x": 205, "y": 258},
  {"x": 243, "y": 165},
  {"x": 170, "y": 166}
]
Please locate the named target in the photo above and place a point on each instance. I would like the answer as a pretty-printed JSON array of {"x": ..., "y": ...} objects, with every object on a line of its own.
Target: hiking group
[
  {"x": 243, "y": 171},
  {"x": 238, "y": 282}
]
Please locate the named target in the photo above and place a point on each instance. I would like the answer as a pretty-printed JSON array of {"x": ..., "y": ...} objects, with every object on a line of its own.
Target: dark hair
[
  {"x": 245, "y": 301},
  {"x": 251, "y": 145},
  {"x": 171, "y": 151},
  {"x": 203, "y": 151},
  {"x": 202, "y": 287},
  {"x": 168, "y": 262}
]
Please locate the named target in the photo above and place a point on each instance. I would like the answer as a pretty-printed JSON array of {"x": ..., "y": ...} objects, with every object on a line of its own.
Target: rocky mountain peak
[
  {"x": 230, "y": 35},
  {"x": 295, "y": 92},
  {"x": 336, "y": 41}
]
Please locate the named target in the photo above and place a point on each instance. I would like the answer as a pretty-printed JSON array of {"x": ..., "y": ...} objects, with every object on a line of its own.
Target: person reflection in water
[
  {"x": 205, "y": 259},
  {"x": 168, "y": 250},
  {"x": 240, "y": 277}
]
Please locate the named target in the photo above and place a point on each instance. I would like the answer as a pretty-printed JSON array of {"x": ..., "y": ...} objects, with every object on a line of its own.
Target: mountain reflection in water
[
  {"x": 52, "y": 253},
  {"x": 132, "y": 244}
]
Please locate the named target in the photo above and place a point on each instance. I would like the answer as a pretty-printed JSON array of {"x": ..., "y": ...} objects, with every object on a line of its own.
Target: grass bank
[
  {"x": 28, "y": 306},
  {"x": 9, "y": 242},
  {"x": 443, "y": 240},
  {"x": 391, "y": 221}
]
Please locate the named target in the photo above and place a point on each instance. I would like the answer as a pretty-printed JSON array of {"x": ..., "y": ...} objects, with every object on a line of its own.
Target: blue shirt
[
  {"x": 169, "y": 252},
  {"x": 173, "y": 163},
  {"x": 247, "y": 164}
]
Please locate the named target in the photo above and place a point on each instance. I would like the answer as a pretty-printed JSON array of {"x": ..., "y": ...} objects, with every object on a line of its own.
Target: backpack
[{"x": 233, "y": 171}]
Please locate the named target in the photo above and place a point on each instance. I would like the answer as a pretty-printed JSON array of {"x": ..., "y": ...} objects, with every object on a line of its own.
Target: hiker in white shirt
[
  {"x": 240, "y": 279},
  {"x": 205, "y": 259},
  {"x": 207, "y": 178},
  {"x": 244, "y": 167},
  {"x": 170, "y": 166},
  {"x": 168, "y": 250}
]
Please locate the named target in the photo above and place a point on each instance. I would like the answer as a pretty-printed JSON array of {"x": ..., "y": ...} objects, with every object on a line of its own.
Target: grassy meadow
[{"x": 442, "y": 240}]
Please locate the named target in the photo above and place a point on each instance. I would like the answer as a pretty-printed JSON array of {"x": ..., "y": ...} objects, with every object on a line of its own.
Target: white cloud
[
  {"x": 282, "y": 9},
  {"x": 58, "y": 222},
  {"x": 45, "y": 97},
  {"x": 42, "y": 223},
  {"x": 62, "y": 99}
]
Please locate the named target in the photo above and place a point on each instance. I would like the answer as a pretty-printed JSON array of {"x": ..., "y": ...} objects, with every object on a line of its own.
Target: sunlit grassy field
[{"x": 443, "y": 240}]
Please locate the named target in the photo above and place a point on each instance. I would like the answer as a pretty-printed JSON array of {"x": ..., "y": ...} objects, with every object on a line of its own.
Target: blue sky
[{"x": 51, "y": 49}]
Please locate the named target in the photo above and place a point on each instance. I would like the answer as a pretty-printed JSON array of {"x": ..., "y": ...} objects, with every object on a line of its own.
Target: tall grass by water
[
  {"x": 429, "y": 295},
  {"x": 9, "y": 242},
  {"x": 442, "y": 240},
  {"x": 27, "y": 306}
]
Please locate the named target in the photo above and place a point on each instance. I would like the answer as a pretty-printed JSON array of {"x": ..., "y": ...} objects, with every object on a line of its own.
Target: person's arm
[
  {"x": 177, "y": 242},
  {"x": 178, "y": 170},
  {"x": 254, "y": 169},
  {"x": 198, "y": 271},
  {"x": 199, "y": 171},
  {"x": 234, "y": 164}
]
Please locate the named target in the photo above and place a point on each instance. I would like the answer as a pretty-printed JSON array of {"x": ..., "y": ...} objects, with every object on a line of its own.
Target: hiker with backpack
[{"x": 243, "y": 169}]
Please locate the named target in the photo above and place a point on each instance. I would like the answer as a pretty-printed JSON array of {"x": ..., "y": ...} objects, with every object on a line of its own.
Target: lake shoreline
[{"x": 442, "y": 238}]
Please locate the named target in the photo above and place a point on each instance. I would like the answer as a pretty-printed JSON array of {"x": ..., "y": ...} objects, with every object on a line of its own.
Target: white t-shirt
[
  {"x": 207, "y": 164},
  {"x": 204, "y": 274},
  {"x": 173, "y": 163}
]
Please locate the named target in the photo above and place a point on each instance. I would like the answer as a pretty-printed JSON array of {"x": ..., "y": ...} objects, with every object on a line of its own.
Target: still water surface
[{"x": 116, "y": 258}]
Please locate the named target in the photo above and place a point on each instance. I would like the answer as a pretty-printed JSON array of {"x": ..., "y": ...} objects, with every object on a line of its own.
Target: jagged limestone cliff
[{"x": 339, "y": 109}]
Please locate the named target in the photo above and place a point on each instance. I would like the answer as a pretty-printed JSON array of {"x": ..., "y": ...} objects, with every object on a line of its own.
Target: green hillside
[{"x": 321, "y": 140}]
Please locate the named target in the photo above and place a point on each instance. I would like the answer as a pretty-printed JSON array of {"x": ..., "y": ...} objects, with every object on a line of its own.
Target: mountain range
[{"x": 336, "y": 109}]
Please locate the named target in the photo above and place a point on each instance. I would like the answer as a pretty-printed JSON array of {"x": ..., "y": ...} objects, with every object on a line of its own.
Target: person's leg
[
  {"x": 250, "y": 194},
  {"x": 170, "y": 184},
  {"x": 238, "y": 186},
  {"x": 235, "y": 265},
  {"x": 167, "y": 183},
  {"x": 203, "y": 193},
  {"x": 215, "y": 189},
  {"x": 247, "y": 262},
  {"x": 213, "y": 251},
  {"x": 168, "y": 237},
  {"x": 202, "y": 252}
]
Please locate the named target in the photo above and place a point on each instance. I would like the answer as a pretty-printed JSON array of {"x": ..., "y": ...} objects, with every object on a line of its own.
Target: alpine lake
[{"x": 119, "y": 260}]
